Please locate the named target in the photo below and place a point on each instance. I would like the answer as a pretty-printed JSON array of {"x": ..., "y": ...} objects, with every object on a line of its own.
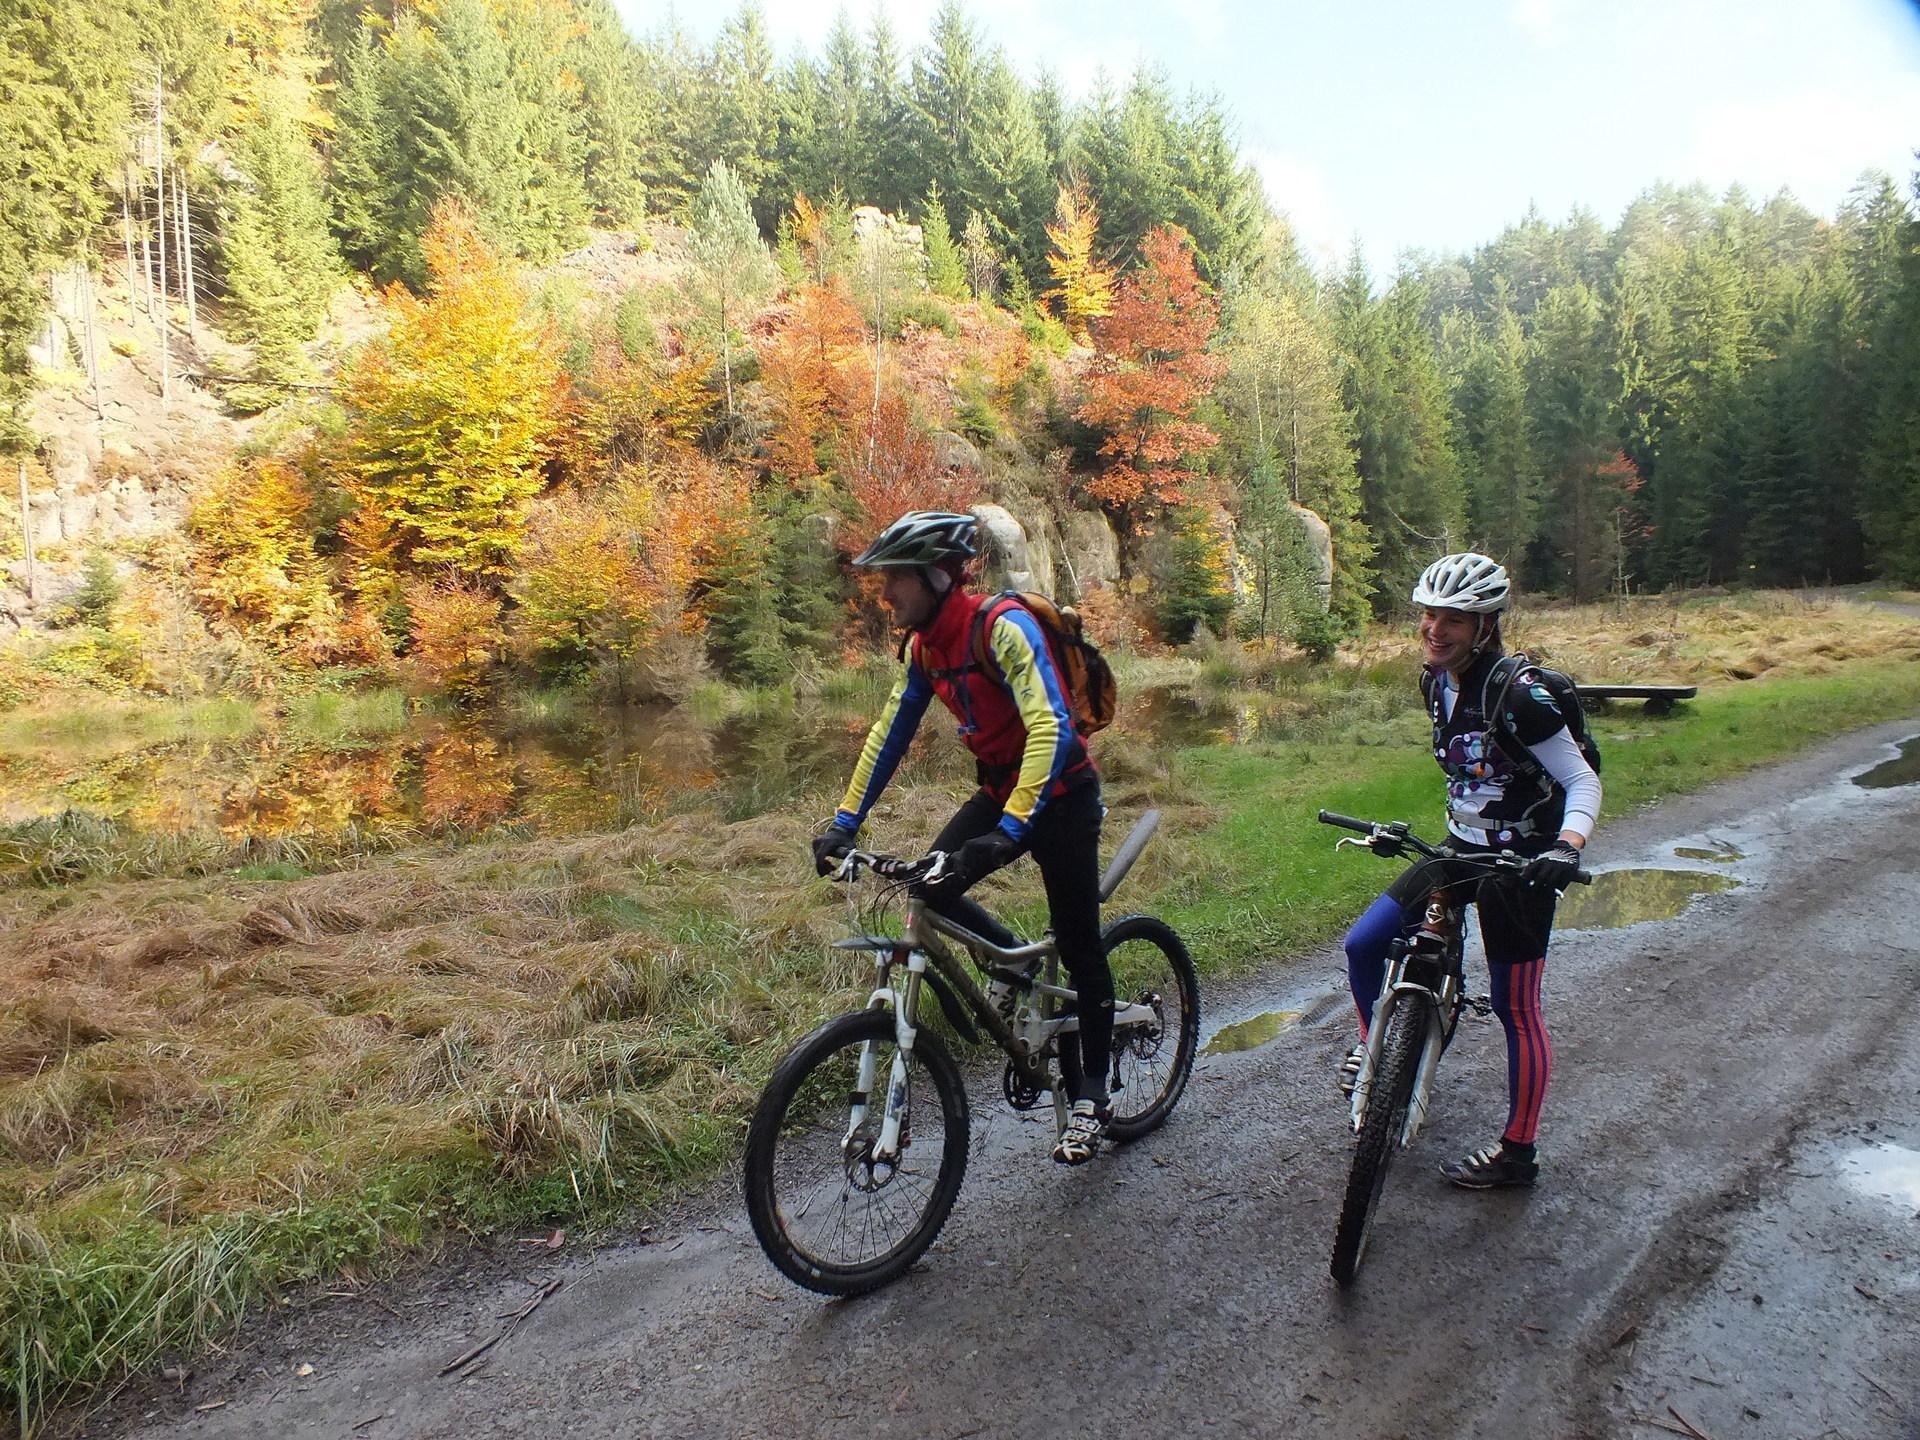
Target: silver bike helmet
[
  {"x": 923, "y": 538},
  {"x": 1467, "y": 581}
]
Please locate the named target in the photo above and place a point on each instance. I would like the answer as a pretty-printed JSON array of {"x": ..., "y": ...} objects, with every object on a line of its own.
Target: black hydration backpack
[{"x": 1493, "y": 706}]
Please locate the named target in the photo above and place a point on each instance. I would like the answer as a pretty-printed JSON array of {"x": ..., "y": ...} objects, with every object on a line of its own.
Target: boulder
[
  {"x": 1090, "y": 551},
  {"x": 955, "y": 452},
  {"x": 1319, "y": 551},
  {"x": 1012, "y": 562}
]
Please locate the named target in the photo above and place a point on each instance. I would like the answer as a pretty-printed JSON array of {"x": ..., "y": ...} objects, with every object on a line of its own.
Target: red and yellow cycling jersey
[{"x": 1017, "y": 723}]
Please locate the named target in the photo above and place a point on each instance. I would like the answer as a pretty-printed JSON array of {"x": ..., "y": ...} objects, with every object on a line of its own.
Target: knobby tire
[
  {"x": 1169, "y": 1060},
  {"x": 1387, "y": 1104},
  {"x": 788, "y": 1109}
]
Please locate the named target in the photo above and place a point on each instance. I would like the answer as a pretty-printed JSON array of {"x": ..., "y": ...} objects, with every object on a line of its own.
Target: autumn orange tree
[
  {"x": 456, "y": 635},
  {"x": 816, "y": 373},
  {"x": 255, "y": 568},
  {"x": 1150, "y": 371},
  {"x": 453, "y": 414},
  {"x": 604, "y": 573},
  {"x": 1083, "y": 287},
  {"x": 889, "y": 466}
]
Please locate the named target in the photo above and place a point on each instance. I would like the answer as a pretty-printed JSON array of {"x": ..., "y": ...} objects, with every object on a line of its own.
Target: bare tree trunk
[
  {"x": 160, "y": 220},
  {"x": 183, "y": 232},
  {"x": 146, "y": 262},
  {"x": 26, "y": 525},
  {"x": 89, "y": 334},
  {"x": 126, "y": 236}
]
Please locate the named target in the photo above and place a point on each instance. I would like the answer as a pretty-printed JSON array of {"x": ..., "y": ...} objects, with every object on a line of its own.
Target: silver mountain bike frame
[{"x": 925, "y": 940}]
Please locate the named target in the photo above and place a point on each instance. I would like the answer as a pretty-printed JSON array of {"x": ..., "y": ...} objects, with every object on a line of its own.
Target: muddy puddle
[
  {"x": 1886, "y": 1172},
  {"x": 1715, "y": 852},
  {"x": 1618, "y": 898},
  {"x": 1251, "y": 1033},
  {"x": 1903, "y": 769}
]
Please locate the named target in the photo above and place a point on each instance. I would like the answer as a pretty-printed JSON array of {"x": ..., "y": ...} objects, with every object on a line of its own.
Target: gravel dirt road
[{"x": 1725, "y": 1241}]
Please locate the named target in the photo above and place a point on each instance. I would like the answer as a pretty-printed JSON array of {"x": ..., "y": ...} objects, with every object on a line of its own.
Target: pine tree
[
  {"x": 1503, "y": 481},
  {"x": 1291, "y": 432},
  {"x": 278, "y": 256},
  {"x": 732, "y": 266},
  {"x": 611, "y": 121},
  {"x": 1574, "y": 434},
  {"x": 64, "y": 109},
  {"x": 946, "y": 276}
]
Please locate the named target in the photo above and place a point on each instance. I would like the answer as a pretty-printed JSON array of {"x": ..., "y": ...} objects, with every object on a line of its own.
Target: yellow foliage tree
[
  {"x": 1083, "y": 287},
  {"x": 454, "y": 413}
]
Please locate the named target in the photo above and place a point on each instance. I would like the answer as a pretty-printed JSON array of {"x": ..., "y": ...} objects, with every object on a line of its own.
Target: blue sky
[{"x": 1433, "y": 125}]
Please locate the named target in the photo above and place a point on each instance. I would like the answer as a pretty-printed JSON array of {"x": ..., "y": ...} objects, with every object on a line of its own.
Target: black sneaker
[{"x": 1492, "y": 1167}]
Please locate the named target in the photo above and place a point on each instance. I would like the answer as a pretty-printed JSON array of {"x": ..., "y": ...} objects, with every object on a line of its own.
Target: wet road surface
[{"x": 1725, "y": 1239}]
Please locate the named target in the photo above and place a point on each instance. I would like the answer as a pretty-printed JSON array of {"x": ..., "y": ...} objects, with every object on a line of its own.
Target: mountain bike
[
  {"x": 859, "y": 1142},
  {"x": 1413, "y": 1022}
]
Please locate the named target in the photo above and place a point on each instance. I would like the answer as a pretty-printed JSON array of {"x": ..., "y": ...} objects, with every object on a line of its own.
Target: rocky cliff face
[{"x": 116, "y": 458}]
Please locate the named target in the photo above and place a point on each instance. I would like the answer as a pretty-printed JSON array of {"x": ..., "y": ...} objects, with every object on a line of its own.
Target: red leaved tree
[
  {"x": 1150, "y": 370},
  {"x": 817, "y": 373}
]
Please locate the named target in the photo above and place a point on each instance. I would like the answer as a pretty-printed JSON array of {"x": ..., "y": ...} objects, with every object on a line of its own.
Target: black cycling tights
[{"x": 1065, "y": 843}]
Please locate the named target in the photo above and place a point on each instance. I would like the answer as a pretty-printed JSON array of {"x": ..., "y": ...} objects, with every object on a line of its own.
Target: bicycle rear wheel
[
  {"x": 827, "y": 1213},
  {"x": 1151, "y": 1063},
  {"x": 1388, "y": 1100}
]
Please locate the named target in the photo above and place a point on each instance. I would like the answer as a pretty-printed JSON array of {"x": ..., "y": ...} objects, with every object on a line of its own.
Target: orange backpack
[{"x": 1091, "y": 691}]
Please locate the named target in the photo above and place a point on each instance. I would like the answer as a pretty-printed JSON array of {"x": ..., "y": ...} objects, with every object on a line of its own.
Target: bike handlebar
[
  {"x": 1389, "y": 840},
  {"x": 929, "y": 867}
]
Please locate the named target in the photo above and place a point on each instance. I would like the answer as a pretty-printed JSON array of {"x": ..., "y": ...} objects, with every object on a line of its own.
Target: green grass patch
[{"x": 1265, "y": 880}]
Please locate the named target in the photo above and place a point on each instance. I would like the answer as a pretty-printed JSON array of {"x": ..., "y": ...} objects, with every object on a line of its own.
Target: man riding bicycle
[
  {"x": 1039, "y": 792},
  {"x": 1516, "y": 780}
]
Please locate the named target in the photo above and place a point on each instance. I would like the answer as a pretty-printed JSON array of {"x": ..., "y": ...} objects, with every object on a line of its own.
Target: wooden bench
[{"x": 1659, "y": 698}]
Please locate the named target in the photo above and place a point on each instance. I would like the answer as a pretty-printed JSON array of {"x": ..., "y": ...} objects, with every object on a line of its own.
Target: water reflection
[
  {"x": 1903, "y": 769},
  {"x": 1249, "y": 1034},
  {"x": 1619, "y": 898},
  {"x": 1887, "y": 1172},
  {"x": 565, "y": 771},
  {"x": 1717, "y": 852}
]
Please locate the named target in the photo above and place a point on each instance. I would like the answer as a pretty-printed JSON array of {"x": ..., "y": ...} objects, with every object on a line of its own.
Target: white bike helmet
[{"x": 1467, "y": 581}]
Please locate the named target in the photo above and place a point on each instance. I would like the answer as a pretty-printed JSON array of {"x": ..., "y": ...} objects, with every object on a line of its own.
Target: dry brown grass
[{"x": 1699, "y": 640}]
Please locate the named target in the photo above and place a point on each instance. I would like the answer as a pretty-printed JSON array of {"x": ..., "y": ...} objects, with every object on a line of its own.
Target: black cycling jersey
[{"x": 1491, "y": 798}]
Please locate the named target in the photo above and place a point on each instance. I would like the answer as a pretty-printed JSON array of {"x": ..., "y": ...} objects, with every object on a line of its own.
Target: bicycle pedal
[{"x": 1480, "y": 1004}]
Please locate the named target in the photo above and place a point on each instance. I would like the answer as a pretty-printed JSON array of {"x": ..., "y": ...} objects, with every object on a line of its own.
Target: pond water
[
  {"x": 547, "y": 768},
  {"x": 578, "y": 769}
]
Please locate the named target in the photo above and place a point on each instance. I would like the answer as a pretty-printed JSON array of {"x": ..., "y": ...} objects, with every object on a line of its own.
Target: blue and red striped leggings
[{"x": 1516, "y": 1000}]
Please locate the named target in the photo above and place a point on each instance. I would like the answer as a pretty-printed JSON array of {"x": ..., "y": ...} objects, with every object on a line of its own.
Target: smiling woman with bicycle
[{"x": 1517, "y": 781}]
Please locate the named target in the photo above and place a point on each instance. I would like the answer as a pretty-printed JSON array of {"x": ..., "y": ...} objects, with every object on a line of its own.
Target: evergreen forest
[{"x": 852, "y": 282}]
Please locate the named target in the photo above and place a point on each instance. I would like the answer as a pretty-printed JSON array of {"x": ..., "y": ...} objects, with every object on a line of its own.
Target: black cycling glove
[
  {"x": 1556, "y": 868},
  {"x": 977, "y": 859},
  {"x": 830, "y": 847}
]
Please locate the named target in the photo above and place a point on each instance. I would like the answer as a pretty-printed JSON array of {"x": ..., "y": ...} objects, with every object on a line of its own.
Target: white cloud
[
  {"x": 1299, "y": 190},
  {"x": 1814, "y": 142}
]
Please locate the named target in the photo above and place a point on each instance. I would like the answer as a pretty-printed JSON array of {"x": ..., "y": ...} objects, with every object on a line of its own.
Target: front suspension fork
[{"x": 903, "y": 1000}]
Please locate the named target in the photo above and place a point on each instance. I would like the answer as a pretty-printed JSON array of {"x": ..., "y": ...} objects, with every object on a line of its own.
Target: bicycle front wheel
[
  {"x": 830, "y": 1214},
  {"x": 1388, "y": 1100},
  {"x": 1151, "y": 1062}
]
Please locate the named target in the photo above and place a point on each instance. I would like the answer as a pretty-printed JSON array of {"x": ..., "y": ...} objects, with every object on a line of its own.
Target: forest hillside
[{"x": 484, "y": 337}]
